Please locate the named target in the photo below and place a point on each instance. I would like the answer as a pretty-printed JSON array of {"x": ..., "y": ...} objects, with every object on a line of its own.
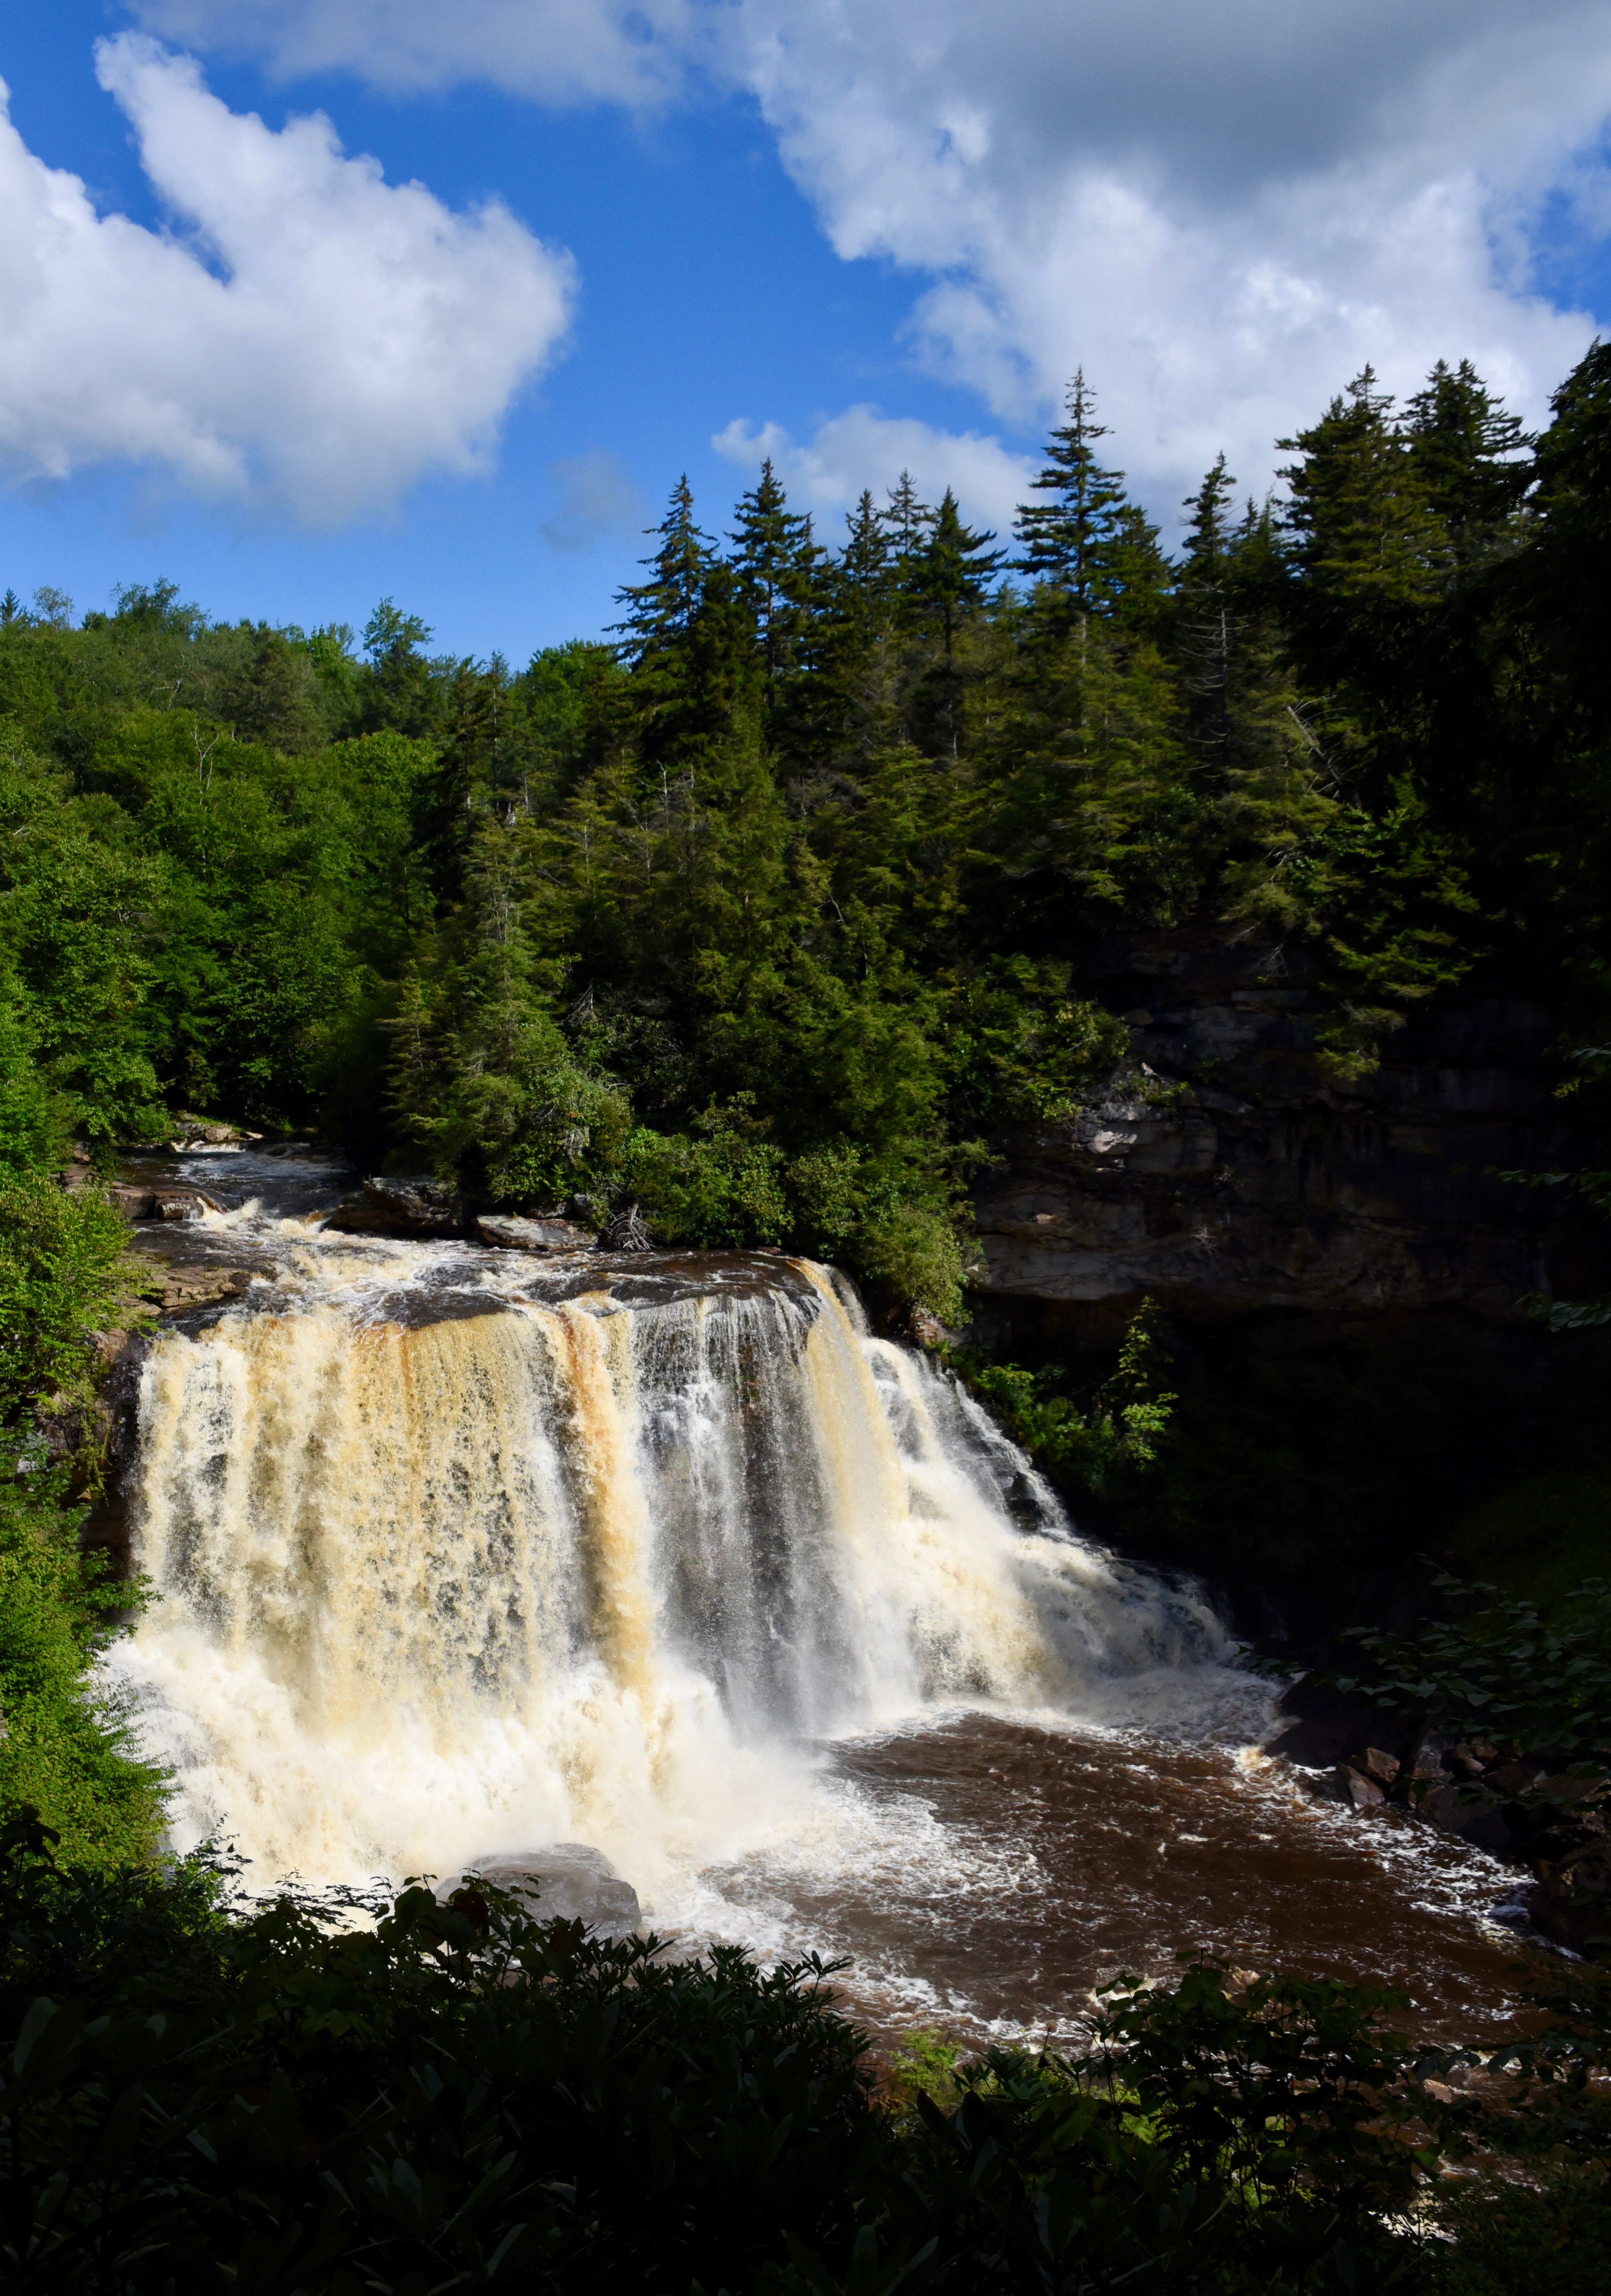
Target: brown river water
[{"x": 1010, "y": 1871}]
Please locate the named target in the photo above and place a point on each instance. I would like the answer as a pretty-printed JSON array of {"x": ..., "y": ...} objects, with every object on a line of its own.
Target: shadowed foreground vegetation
[{"x": 197, "y": 2095}]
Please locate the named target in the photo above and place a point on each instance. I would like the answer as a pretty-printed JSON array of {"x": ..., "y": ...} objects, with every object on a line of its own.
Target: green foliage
[
  {"x": 832, "y": 830},
  {"x": 912, "y": 1251},
  {"x": 925, "y": 2065},
  {"x": 33, "y": 1119},
  {"x": 721, "y": 1187},
  {"x": 63, "y": 1749},
  {"x": 1501, "y": 1671},
  {"x": 60, "y": 1279},
  {"x": 460, "y": 2094},
  {"x": 1104, "y": 1446}
]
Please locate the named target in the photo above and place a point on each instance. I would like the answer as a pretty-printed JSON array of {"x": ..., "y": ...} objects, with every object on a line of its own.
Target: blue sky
[{"x": 884, "y": 255}]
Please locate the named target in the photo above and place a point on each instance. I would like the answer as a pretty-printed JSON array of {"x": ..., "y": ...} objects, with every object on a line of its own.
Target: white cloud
[
  {"x": 560, "y": 51},
  {"x": 862, "y": 448},
  {"x": 320, "y": 341},
  {"x": 1222, "y": 212},
  {"x": 596, "y": 494}
]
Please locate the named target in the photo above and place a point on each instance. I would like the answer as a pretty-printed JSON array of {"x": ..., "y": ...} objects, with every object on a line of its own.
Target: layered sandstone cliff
[{"x": 1231, "y": 1171}]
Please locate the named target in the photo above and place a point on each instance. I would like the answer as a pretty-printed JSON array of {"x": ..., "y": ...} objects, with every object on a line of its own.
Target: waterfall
[{"x": 456, "y": 1551}]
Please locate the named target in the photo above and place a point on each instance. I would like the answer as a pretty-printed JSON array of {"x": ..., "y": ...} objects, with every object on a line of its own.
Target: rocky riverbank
[{"x": 1535, "y": 1807}]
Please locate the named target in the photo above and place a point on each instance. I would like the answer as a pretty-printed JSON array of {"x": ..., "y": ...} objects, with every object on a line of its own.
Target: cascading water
[
  {"x": 461, "y": 1552},
  {"x": 441, "y": 1573}
]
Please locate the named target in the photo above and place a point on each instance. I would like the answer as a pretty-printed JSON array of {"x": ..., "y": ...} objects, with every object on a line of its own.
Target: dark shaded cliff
[
  {"x": 1344, "y": 1276},
  {"x": 1234, "y": 1174}
]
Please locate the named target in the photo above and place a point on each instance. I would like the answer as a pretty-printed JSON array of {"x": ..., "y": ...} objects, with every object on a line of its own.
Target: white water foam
[{"x": 442, "y": 1575}]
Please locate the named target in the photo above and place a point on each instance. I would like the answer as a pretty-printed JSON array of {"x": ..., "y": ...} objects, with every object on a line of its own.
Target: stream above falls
[{"x": 465, "y": 1550}]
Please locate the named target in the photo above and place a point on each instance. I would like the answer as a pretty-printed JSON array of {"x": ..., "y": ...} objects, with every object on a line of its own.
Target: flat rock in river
[
  {"x": 508, "y": 1233},
  {"x": 418, "y": 1207}
]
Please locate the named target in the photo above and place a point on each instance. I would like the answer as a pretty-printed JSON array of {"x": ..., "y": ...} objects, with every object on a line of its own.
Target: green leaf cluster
[{"x": 1103, "y": 1445}]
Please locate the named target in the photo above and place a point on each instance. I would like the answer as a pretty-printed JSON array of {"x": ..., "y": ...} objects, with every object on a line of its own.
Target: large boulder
[
  {"x": 421, "y": 1209},
  {"x": 508, "y": 1233},
  {"x": 1573, "y": 1902},
  {"x": 182, "y": 1203},
  {"x": 1471, "y": 1811},
  {"x": 175, "y": 1290},
  {"x": 568, "y": 1882}
]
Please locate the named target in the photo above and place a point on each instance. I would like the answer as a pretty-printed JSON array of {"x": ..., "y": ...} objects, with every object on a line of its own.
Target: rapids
[{"x": 460, "y": 1550}]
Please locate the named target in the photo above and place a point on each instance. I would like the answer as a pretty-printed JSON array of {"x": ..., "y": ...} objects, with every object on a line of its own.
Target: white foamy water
[{"x": 459, "y": 1552}]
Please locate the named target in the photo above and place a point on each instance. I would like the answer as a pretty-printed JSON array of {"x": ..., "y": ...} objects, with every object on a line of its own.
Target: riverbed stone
[
  {"x": 569, "y": 1881},
  {"x": 1471, "y": 1811},
  {"x": 1573, "y": 1901},
  {"x": 419, "y": 1208},
  {"x": 1364, "y": 1792},
  {"x": 510, "y": 1233},
  {"x": 182, "y": 1203}
]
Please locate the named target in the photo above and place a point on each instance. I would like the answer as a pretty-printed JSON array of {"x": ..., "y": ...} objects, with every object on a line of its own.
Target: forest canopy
[{"x": 769, "y": 914}]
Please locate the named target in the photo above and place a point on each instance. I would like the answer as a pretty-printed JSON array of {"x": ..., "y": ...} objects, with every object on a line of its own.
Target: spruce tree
[
  {"x": 945, "y": 582},
  {"x": 1470, "y": 455},
  {"x": 660, "y": 610},
  {"x": 1203, "y": 627},
  {"x": 906, "y": 519},
  {"x": 1371, "y": 556},
  {"x": 854, "y": 679},
  {"x": 1067, "y": 541},
  {"x": 1364, "y": 533},
  {"x": 774, "y": 562}
]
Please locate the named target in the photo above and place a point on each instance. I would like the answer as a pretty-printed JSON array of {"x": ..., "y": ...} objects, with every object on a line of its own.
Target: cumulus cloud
[
  {"x": 596, "y": 496},
  {"x": 317, "y": 342},
  {"x": 862, "y": 448},
  {"x": 561, "y": 51},
  {"x": 1222, "y": 212}
]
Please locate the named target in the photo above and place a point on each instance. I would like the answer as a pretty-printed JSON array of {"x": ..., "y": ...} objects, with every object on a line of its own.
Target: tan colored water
[{"x": 462, "y": 1552}]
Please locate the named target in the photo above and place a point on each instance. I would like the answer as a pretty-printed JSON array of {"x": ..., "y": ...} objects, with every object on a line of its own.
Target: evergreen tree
[
  {"x": 847, "y": 712},
  {"x": 659, "y": 610},
  {"x": 774, "y": 561},
  {"x": 1204, "y": 623},
  {"x": 1471, "y": 458},
  {"x": 1370, "y": 548},
  {"x": 1067, "y": 541},
  {"x": 945, "y": 583},
  {"x": 906, "y": 518},
  {"x": 863, "y": 563}
]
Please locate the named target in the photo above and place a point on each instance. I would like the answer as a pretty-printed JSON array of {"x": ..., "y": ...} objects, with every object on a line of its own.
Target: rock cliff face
[{"x": 1236, "y": 1173}]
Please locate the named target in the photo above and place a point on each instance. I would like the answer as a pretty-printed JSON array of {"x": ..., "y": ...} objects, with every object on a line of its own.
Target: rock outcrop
[
  {"x": 507, "y": 1232},
  {"x": 421, "y": 1209},
  {"x": 1229, "y": 1171},
  {"x": 569, "y": 1881},
  {"x": 1533, "y": 1808}
]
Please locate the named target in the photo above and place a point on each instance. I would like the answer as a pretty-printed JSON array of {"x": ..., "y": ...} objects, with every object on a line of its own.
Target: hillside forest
[
  {"x": 769, "y": 912},
  {"x": 767, "y": 916}
]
